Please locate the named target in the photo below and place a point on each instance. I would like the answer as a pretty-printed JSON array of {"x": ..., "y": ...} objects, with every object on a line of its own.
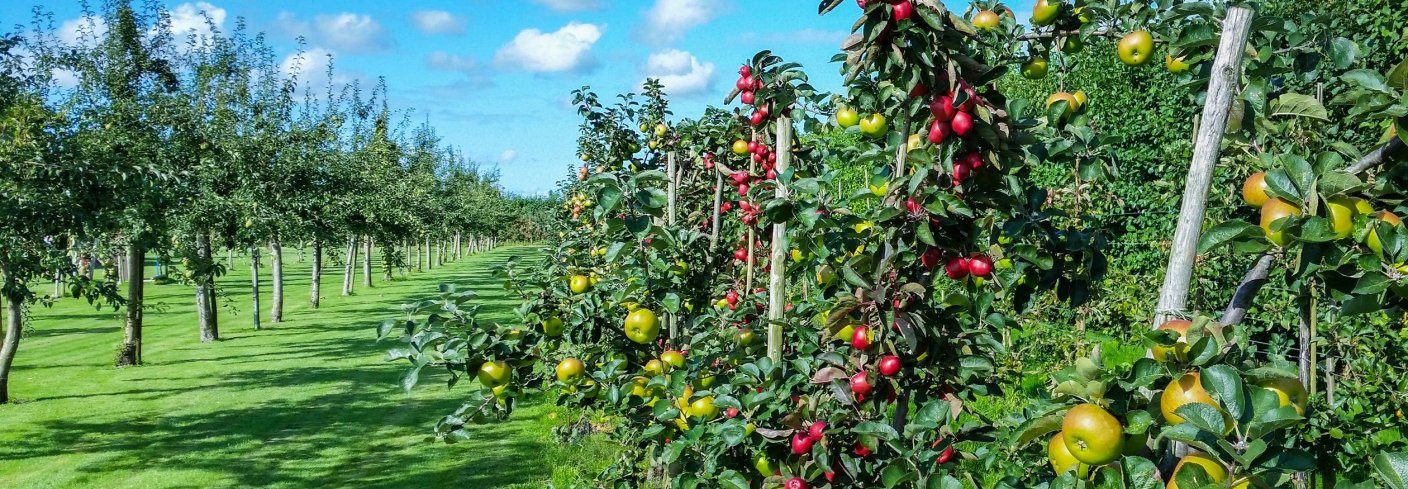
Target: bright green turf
[{"x": 306, "y": 403}]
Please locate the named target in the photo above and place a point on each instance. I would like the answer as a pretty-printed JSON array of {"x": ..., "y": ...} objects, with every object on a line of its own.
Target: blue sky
[{"x": 495, "y": 76}]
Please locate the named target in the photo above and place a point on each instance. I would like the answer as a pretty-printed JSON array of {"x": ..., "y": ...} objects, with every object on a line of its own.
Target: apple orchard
[{"x": 805, "y": 288}]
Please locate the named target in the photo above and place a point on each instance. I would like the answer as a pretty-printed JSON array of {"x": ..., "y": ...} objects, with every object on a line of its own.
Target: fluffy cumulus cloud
[
  {"x": 196, "y": 20},
  {"x": 680, "y": 72},
  {"x": 567, "y": 49},
  {"x": 668, "y": 20},
  {"x": 569, "y": 5},
  {"x": 86, "y": 30},
  {"x": 345, "y": 32},
  {"x": 437, "y": 22}
]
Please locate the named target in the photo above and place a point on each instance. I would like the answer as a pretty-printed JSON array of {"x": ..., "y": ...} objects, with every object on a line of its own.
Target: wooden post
[
  {"x": 718, "y": 203},
  {"x": 672, "y": 193},
  {"x": 1226, "y": 71},
  {"x": 777, "y": 276},
  {"x": 1207, "y": 149}
]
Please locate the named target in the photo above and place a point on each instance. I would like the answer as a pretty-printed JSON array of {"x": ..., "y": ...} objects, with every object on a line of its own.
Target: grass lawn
[{"x": 306, "y": 403}]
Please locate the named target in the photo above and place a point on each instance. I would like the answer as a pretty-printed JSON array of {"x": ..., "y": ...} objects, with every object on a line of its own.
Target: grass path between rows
[{"x": 306, "y": 403}]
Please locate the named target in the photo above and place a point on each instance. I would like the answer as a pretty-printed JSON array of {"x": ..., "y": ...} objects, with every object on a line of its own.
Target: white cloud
[
  {"x": 668, "y": 20},
  {"x": 65, "y": 78},
  {"x": 84, "y": 30},
  {"x": 307, "y": 66},
  {"x": 346, "y": 32},
  {"x": 441, "y": 60},
  {"x": 190, "y": 19},
  {"x": 437, "y": 22},
  {"x": 567, "y": 49},
  {"x": 569, "y": 5},
  {"x": 507, "y": 156},
  {"x": 680, "y": 72}
]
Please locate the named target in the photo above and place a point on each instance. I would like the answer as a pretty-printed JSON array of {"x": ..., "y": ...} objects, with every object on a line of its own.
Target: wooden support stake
[
  {"x": 777, "y": 280},
  {"x": 1226, "y": 71},
  {"x": 671, "y": 193},
  {"x": 1207, "y": 149}
]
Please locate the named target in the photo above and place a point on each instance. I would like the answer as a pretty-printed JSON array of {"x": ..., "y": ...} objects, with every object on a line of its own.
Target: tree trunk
[
  {"x": 206, "y": 315},
  {"x": 130, "y": 352},
  {"x": 349, "y": 266},
  {"x": 388, "y": 264},
  {"x": 315, "y": 290},
  {"x": 367, "y": 264},
  {"x": 276, "y": 253},
  {"x": 13, "y": 319},
  {"x": 459, "y": 247},
  {"x": 254, "y": 279},
  {"x": 429, "y": 264}
]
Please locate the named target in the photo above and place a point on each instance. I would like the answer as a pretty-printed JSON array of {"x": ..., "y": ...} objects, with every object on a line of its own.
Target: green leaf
[
  {"x": 1037, "y": 428},
  {"x": 879, "y": 430},
  {"x": 1203, "y": 416},
  {"x": 1140, "y": 473},
  {"x": 1227, "y": 232},
  {"x": 1298, "y": 105},
  {"x": 732, "y": 479},
  {"x": 897, "y": 474},
  {"x": 1343, "y": 52},
  {"x": 1224, "y": 383},
  {"x": 1393, "y": 468}
]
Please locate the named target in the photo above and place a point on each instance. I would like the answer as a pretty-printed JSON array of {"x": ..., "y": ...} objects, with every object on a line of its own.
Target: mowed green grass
[{"x": 309, "y": 402}]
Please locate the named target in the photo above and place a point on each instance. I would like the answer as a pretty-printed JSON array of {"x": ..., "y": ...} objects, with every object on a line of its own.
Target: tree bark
[
  {"x": 459, "y": 247},
  {"x": 276, "y": 253},
  {"x": 367, "y": 264},
  {"x": 130, "y": 353},
  {"x": 429, "y": 264},
  {"x": 349, "y": 266},
  {"x": 206, "y": 314},
  {"x": 14, "y": 318},
  {"x": 315, "y": 290},
  {"x": 254, "y": 282},
  {"x": 388, "y": 266}
]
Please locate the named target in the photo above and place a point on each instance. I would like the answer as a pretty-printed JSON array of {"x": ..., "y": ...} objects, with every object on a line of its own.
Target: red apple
[
  {"x": 861, "y": 451},
  {"x": 731, "y": 412},
  {"x": 740, "y": 254},
  {"x": 801, "y": 444},
  {"x": 938, "y": 131},
  {"x": 930, "y": 258},
  {"x": 903, "y": 10},
  {"x": 962, "y": 124},
  {"x": 795, "y": 483},
  {"x": 860, "y": 339},
  {"x": 942, "y": 107},
  {"x": 860, "y": 385},
  {"x": 889, "y": 365},
  {"x": 745, "y": 71},
  {"x": 817, "y": 430},
  {"x": 957, "y": 268},
  {"x": 913, "y": 207},
  {"x": 747, "y": 97},
  {"x": 980, "y": 265}
]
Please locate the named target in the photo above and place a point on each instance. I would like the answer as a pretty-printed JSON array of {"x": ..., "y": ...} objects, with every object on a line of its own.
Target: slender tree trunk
[
  {"x": 387, "y": 262},
  {"x": 13, "y": 317},
  {"x": 367, "y": 264},
  {"x": 459, "y": 247},
  {"x": 349, "y": 266},
  {"x": 206, "y": 315},
  {"x": 429, "y": 264},
  {"x": 254, "y": 279},
  {"x": 276, "y": 253},
  {"x": 316, "y": 289},
  {"x": 131, "y": 351}
]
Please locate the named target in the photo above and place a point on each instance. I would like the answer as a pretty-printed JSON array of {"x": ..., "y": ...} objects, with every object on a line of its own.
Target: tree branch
[
  {"x": 1246, "y": 291},
  {"x": 1394, "y": 149}
]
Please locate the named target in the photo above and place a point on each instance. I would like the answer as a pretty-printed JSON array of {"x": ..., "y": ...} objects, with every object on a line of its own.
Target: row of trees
[{"x": 135, "y": 139}]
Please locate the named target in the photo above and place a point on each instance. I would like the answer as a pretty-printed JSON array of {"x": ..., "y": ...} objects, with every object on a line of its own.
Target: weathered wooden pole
[
  {"x": 1226, "y": 73},
  {"x": 777, "y": 276},
  {"x": 1207, "y": 149},
  {"x": 672, "y": 193}
]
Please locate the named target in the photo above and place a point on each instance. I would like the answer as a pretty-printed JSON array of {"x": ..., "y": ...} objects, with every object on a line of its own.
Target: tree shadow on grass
[{"x": 293, "y": 442}]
